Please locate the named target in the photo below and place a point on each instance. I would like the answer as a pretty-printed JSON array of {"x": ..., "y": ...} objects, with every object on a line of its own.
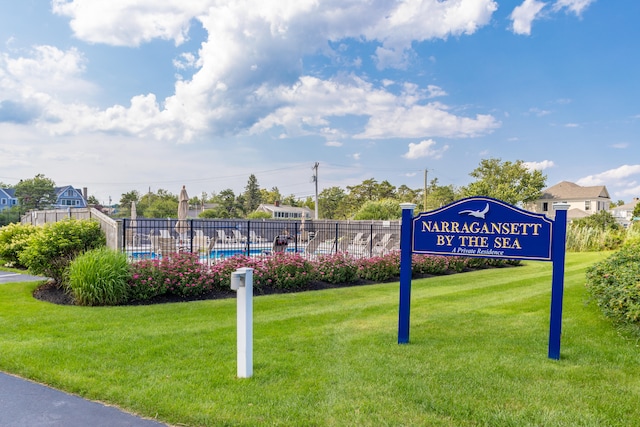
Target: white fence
[{"x": 111, "y": 228}]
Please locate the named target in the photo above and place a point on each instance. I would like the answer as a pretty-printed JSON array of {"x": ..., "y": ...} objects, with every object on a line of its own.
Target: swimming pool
[{"x": 215, "y": 254}]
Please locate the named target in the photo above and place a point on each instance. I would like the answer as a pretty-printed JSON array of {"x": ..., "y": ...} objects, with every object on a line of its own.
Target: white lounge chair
[
  {"x": 163, "y": 246},
  {"x": 222, "y": 237},
  {"x": 238, "y": 237},
  {"x": 254, "y": 238}
]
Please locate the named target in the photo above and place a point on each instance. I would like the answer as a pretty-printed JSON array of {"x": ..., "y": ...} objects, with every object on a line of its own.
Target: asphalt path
[
  {"x": 7, "y": 277},
  {"x": 25, "y": 403},
  {"x": 29, "y": 404}
]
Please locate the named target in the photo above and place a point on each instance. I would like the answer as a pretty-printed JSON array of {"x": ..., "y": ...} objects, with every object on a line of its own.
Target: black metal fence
[{"x": 218, "y": 239}]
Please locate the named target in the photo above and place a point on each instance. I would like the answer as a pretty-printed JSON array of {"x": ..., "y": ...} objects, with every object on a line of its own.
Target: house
[
  {"x": 583, "y": 201},
  {"x": 624, "y": 213},
  {"x": 8, "y": 198},
  {"x": 279, "y": 211},
  {"x": 66, "y": 197},
  {"x": 69, "y": 197}
]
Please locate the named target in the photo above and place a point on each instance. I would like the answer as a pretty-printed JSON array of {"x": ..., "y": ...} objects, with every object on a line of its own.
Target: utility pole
[
  {"x": 424, "y": 203},
  {"x": 315, "y": 180}
]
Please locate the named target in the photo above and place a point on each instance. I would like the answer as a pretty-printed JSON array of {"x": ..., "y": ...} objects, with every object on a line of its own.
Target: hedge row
[{"x": 615, "y": 285}]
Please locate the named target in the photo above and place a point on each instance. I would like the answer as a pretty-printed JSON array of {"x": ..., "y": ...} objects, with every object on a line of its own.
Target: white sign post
[{"x": 242, "y": 282}]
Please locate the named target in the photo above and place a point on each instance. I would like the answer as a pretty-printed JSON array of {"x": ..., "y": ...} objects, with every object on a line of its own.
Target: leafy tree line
[
  {"x": 504, "y": 180},
  {"x": 225, "y": 204},
  {"x": 508, "y": 181}
]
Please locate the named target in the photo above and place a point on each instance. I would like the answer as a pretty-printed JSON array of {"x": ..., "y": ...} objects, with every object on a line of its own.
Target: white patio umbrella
[
  {"x": 183, "y": 209},
  {"x": 133, "y": 225},
  {"x": 134, "y": 215}
]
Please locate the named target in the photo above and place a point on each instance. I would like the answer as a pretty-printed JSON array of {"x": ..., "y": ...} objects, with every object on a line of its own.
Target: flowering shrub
[
  {"x": 286, "y": 271},
  {"x": 336, "y": 268},
  {"x": 221, "y": 271},
  {"x": 429, "y": 264},
  {"x": 184, "y": 275},
  {"x": 178, "y": 274},
  {"x": 147, "y": 280},
  {"x": 380, "y": 268}
]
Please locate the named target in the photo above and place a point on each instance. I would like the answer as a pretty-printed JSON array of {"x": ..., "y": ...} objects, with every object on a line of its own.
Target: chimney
[
  {"x": 84, "y": 193},
  {"x": 277, "y": 203}
]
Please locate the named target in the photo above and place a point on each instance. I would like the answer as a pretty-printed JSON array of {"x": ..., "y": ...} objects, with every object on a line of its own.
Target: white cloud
[
  {"x": 612, "y": 176},
  {"x": 545, "y": 164},
  {"x": 184, "y": 61},
  {"x": 620, "y": 145},
  {"x": 44, "y": 72},
  {"x": 575, "y": 6},
  {"x": 227, "y": 96},
  {"x": 312, "y": 102},
  {"x": 571, "y": 125},
  {"x": 333, "y": 144},
  {"x": 356, "y": 156},
  {"x": 435, "y": 91},
  {"x": 538, "y": 112},
  {"x": 523, "y": 15},
  {"x": 130, "y": 23},
  {"x": 424, "y": 148}
]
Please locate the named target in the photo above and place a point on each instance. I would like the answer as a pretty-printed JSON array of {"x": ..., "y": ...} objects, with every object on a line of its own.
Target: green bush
[
  {"x": 99, "y": 277},
  {"x": 14, "y": 239},
  {"x": 615, "y": 285},
  {"x": 50, "y": 251}
]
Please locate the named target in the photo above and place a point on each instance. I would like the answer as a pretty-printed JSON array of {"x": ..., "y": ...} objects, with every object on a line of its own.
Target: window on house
[
  {"x": 3, "y": 201},
  {"x": 587, "y": 205},
  {"x": 545, "y": 206}
]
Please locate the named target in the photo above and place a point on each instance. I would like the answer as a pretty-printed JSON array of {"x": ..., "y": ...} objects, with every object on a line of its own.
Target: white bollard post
[{"x": 242, "y": 282}]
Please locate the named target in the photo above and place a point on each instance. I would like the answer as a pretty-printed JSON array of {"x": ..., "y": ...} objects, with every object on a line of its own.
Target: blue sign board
[
  {"x": 483, "y": 227},
  {"x": 488, "y": 228}
]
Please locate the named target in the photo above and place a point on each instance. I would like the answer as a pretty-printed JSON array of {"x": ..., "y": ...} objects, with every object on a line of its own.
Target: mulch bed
[{"x": 51, "y": 292}]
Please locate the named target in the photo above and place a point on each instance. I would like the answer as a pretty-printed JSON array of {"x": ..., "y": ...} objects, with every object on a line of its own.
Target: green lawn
[{"x": 477, "y": 356}]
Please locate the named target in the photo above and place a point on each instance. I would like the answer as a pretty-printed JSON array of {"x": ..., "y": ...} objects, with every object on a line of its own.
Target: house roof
[
  {"x": 576, "y": 214},
  {"x": 569, "y": 190},
  {"x": 10, "y": 192},
  {"x": 61, "y": 190},
  {"x": 627, "y": 206},
  {"x": 283, "y": 208}
]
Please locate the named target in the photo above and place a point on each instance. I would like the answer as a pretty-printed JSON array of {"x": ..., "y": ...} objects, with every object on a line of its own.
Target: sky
[{"x": 144, "y": 95}]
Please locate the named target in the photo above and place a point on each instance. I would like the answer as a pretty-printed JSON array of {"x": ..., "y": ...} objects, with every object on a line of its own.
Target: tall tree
[
  {"x": 162, "y": 204},
  {"x": 36, "y": 193},
  {"x": 440, "y": 195},
  {"x": 379, "y": 210},
  {"x": 228, "y": 205},
  {"x": 511, "y": 182},
  {"x": 252, "y": 196},
  {"x": 270, "y": 196},
  {"x": 125, "y": 203},
  {"x": 408, "y": 195},
  {"x": 331, "y": 203},
  {"x": 291, "y": 200}
]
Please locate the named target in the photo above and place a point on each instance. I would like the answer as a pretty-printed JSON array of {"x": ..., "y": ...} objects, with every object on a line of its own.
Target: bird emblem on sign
[{"x": 477, "y": 213}]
